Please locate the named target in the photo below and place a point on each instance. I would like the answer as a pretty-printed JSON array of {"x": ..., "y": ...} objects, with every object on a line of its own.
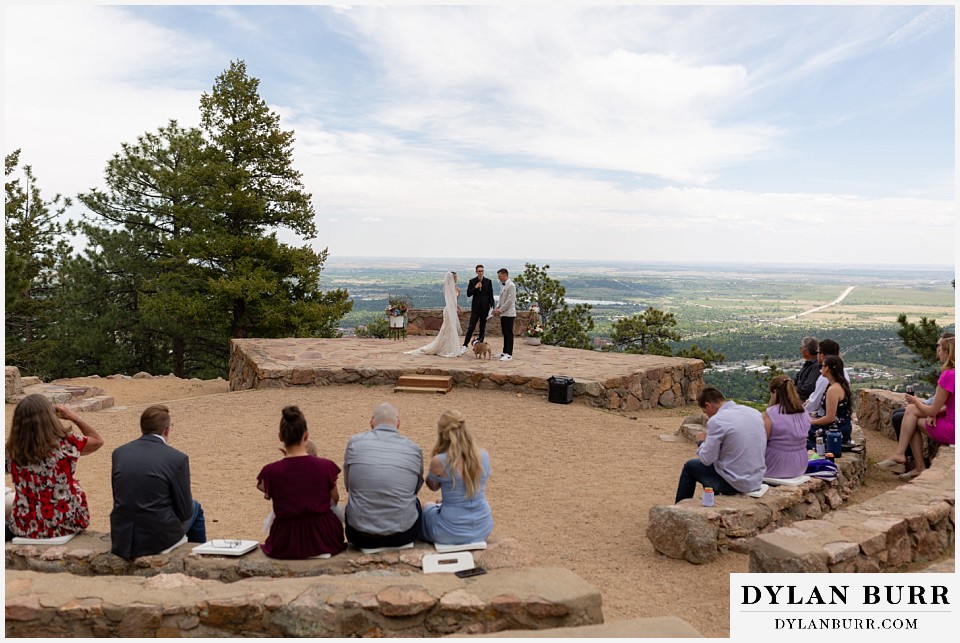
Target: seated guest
[
  {"x": 805, "y": 380},
  {"x": 786, "y": 424},
  {"x": 303, "y": 489},
  {"x": 836, "y": 407},
  {"x": 730, "y": 456},
  {"x": 382, "y": 472},
  {"x": 935, "y": 420},
  {"x": 896, "y": 419},
  {"x": 152, "y": 506},
  {"x": 459, "y": 469},
  {"x": 825, "y": 349},
  {"x": 41, "y": 459}
]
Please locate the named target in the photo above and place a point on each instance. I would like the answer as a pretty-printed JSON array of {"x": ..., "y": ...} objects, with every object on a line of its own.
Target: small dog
[{"x": 480, "y": 349}]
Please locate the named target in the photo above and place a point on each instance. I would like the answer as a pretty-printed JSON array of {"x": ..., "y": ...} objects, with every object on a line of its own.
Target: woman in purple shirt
[{"x": 787, "y": 424}]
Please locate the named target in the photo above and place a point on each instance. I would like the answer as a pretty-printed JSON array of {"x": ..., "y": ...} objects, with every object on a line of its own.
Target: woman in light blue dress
[{"x": 459, "y": 469}]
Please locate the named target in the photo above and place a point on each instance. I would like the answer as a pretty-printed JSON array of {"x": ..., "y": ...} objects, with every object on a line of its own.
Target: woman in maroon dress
[{"x": 303, "y": 489}]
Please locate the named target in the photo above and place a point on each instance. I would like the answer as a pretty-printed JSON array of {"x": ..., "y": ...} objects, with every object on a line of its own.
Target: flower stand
[{"x": 398, "y": 326}]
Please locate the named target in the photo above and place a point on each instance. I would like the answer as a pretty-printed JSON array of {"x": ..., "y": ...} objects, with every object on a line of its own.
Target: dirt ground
[{"x": 573, "y": 484}]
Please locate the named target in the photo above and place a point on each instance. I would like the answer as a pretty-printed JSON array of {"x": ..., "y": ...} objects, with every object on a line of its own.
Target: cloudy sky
[{"x": 806, "y": 134}]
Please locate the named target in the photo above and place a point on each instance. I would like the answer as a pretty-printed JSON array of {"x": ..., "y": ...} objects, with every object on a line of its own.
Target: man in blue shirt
[
  {"x": 730, "y": 457},
  {"x": 382, "y": 471}
]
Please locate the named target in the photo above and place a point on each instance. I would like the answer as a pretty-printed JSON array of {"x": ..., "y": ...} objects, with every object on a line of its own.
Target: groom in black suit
[{"x": 480, "y": 289}]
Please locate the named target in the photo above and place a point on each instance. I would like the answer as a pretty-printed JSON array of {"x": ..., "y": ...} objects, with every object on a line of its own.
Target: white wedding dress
[{"x": 447, "y": 341}]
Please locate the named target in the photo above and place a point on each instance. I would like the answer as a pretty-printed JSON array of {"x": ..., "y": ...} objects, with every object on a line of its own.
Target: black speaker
[{"x": 561, "y": 389}]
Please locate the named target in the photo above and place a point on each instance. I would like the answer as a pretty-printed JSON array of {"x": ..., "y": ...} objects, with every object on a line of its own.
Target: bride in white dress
[{"x": 447, "y": 341}]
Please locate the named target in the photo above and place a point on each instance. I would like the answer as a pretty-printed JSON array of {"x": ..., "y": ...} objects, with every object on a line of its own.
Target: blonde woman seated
[
  {"x": 786, "y": 423},
  {"x": 459, "y": 469},
  {"x": 936, "y": 420}
]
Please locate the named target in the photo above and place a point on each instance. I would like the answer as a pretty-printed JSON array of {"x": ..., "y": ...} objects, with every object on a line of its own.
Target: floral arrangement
[
  {"x": 535, "y": 330},
  {"x": 397, "y": 307}
]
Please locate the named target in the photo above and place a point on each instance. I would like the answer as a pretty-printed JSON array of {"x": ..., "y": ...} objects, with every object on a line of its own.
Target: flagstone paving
[{"x": 612, "y": 380}]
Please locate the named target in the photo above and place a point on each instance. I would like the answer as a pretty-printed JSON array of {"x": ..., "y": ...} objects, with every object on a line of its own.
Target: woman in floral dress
[{"x": 41, "y": 458}]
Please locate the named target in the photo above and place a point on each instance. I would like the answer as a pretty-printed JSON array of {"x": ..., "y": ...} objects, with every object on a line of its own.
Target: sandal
[
  {"x": 890, "y": 465},
  {"x": 909, "y": 475}
]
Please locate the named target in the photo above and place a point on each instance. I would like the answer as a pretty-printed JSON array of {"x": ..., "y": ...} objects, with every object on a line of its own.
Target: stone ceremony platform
[{"x": 610, "y": 380}]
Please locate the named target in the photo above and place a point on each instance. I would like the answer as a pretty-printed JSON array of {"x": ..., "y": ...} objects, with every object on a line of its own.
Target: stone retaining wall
[
  {"x": 177, "y": 605},
  {"x": 427, "y": 321},
  {"x": 914, "y": 522},
  {"x": 874, "y": 409},
  {"x": 687, "y": 530}
]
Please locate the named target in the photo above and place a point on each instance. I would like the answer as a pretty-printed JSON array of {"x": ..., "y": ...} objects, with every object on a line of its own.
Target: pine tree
[
  {"x": 183, "y": 251},
  {"x": 137, "y": 257},
  {"x": 647, "y": 332},
  {"x": 563, "y": 325},
  {"x": 921, "y": 339},
  {"x": 252, "y": 190},
  {"x": 35, "y": 243}
]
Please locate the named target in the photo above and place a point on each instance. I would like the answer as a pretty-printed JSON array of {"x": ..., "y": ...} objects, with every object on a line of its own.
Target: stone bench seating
[
  {"x": 912, "y": 523},
  {"x": 78, "y": 398},
  {"x": 689, "y": 531},
  {"x": 367, "y": 604},
  {"x": 88, "y": 554}
]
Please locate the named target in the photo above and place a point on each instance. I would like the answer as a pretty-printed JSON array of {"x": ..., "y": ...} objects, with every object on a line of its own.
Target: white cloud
[
  {"x": 78, "y": 81},
  {"x": 505, "y": 81},
  {"x": 520, "y": 132},
  {"x": 933, "y": 19}
]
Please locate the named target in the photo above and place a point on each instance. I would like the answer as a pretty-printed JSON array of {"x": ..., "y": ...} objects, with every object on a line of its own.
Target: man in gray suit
[
  {"x": 507, "y": 311},
  {"x": 152, "y": 506}
]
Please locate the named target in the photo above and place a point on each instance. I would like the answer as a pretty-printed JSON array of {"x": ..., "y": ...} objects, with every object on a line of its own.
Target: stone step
[
  {"x": 78, "y": 398},
  {"x": 659, "y": 627},
  {"x": 96, "y": 403},
  {"x": 427, "y": 381},
  {"x": 419, "y": 389}
]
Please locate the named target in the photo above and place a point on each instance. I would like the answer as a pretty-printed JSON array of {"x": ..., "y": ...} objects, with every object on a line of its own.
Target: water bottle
[
  {"x": 708, "y": 496},
  {"x": 821, "y": 448},
  {"x": 835, "y": 443}
]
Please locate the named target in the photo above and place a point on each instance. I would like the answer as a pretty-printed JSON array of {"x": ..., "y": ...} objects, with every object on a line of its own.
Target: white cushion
[
  {"x": 175, "y": 545},
  {"x": 60, "y": 540},
  {"x": 465, "y": 547},
  {"x": 377, "y": 550}
]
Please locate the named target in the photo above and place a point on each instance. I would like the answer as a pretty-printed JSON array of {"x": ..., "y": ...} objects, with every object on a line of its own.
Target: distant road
[{"x": 818, "y": 308}]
